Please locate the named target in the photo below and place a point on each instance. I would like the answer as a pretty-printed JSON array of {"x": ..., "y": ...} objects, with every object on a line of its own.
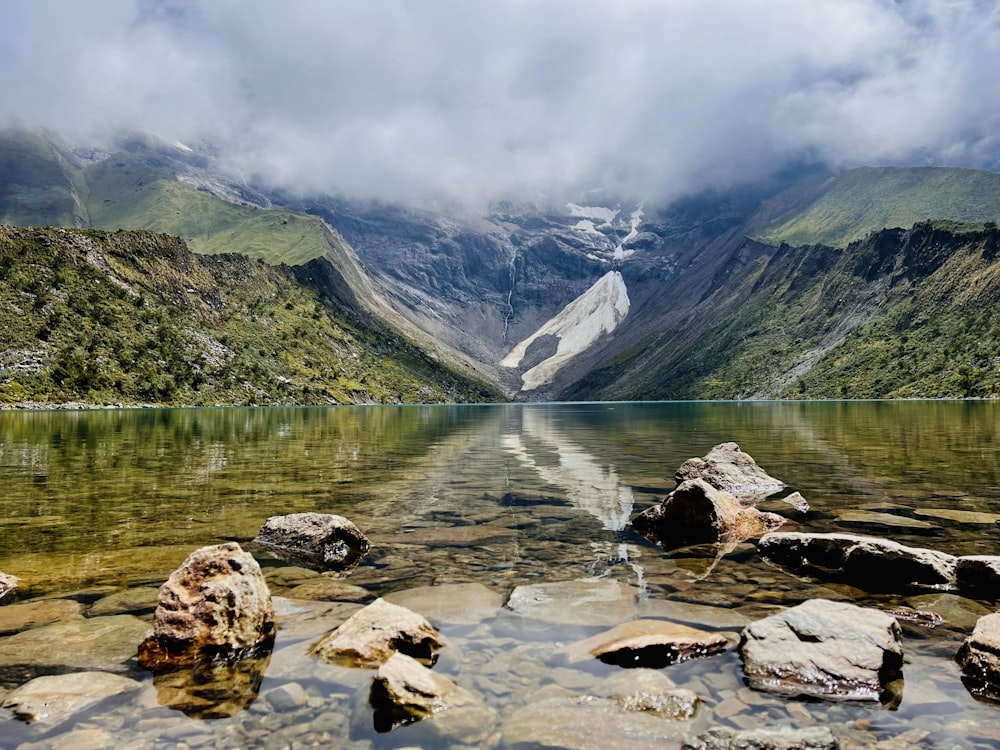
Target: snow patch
[
  {"x": 599, "y": 310},
  {"x": 591, "y": 212},
  {"x": 587, "y": 226},
  {"x": 620, "y": 252}
]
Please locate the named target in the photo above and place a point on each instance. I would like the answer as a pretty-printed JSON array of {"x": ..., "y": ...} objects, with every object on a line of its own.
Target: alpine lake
[{"x": 463, "y": 505}]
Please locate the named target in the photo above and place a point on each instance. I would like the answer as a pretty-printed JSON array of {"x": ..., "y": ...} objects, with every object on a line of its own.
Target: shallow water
[{"x": 99, "y": 502}]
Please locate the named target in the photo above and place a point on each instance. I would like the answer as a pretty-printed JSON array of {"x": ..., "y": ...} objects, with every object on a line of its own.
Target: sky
[{"x": 420, "y": 100}]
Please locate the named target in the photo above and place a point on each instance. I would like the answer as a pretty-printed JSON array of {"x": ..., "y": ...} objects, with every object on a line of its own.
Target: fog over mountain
[{"x": 472, "y": 101}]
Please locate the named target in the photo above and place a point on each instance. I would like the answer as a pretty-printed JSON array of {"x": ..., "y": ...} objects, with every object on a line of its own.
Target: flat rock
[
  {"x": 979, "y": 575},
  {"x": 649, "y": 690},
  {"x": 763, "y": 738},
  {"x": 959, "y": 516},
  {"x": 882, "y": 519},
  {"x": 697, "y": 512},
  {"x": 979, "y": 658},
  {"x": 823, "y": 649},
  {"x": 585, "y": 601},
  {"x": 373, "y": 634},
  {"x": 648, "y": 643},
  {"x": 323, "y": 541},
  {"x": 104, "y": 643},
  {"x": 727, "y": 468},
  {"x": 469, "y": 535},
  {"x": 54, "y": 698},
  {"x": 140, "y": 600},
  {"x": 867, "y": 562},
  {"x": 289, "y": 575},
  {"x": 7, "y": 584},
  {"x": 329, "y": 590},
  {"x": 696, "y": 615},
  {"x": 17, "y": 617},
  {"x": 453, "y": 603},
  {"x": 216, "y": 605},
  {"x": 957, "y": 611},
  {"x": 300, "y": 619}
]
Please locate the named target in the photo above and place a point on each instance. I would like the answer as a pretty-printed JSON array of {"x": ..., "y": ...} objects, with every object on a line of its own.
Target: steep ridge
[
  {"x": 903, "y": 313},
  {"x": 136, "y": 317}
]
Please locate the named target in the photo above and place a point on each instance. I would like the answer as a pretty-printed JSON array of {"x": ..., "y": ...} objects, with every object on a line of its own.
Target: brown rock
[
  {"x": 55, "y": 698},
  {"x": 322, "y": 541},
  {"x": 17, "y": 617},
  {"x": 648, "y": 643},
  {"x": 372, "y": 635},
  {"x": 979, "y": 658},
  {"x": 215, "y": 605},
  {"x": 323, "y": 589},
  {"x": 696, "y": 512},
  {"x": 210, "y": 690}
]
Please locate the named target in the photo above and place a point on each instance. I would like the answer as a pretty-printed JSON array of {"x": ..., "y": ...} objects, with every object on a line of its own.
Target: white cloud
[{"x": 405, "y": 99}]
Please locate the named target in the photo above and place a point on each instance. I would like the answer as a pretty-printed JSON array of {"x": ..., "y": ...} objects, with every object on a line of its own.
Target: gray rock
[
  {"x": 216, "y": 605},
  {"x": 785, "y": 738},
  {"x": 17, "y": 617},
  {"x": 649, "y": 690},
  {"x": 585, "y": 601},
  {"x": 867, "y": 562},
  {"x": 979, "y": 575},
  {"x": 404, "y": 691},
  {"x": 824, "y": 649},
  {"x": 322, "y": 541},
  {"x": 286, "y": 697},
  {"x": 455, "y": 603},
  {"x": 103, "y": 643},
  {"x": 7, "y": 584},
  {"x": 979, "y": 658},
  {"x": 727, "y": 468},
  {"x": 648, "y": 643},
  {"x": 54, "y": 698},
  {"x": 372, "y": 635},
  {"x": 697, "y": 512}
]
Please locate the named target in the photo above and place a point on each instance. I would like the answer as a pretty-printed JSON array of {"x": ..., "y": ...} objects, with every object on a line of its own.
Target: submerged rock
[
  {"x": 370, "y": 636},
  {"x": 54, "y": 698},
  {"x": 727, "y": 468},
  {"x": 979, "y": 575},
  {"x": 17, "y": 617},
  {"x": 824, "y": 649},
  {"x": 697, "y": 512},
  {"x": 979, "y": 658},
  {"x": 784, "y": 738},
  {"x": 455, "y": 603},
  {"x": 867, "y": 562},
  {"x": 210, "y": 690},
  {"x": 650, "y": 691},
  {"x": 585, "y": 601},
  {"x": 648, "y": 643},
  {"x": 322, "y": 541},
  {"x": 215, "y": 606},
  {"x": 7, "y": 584}
]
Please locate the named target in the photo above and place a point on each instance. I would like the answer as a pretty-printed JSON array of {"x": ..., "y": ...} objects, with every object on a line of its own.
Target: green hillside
[
  {"x": 911, "y": 313},
  {"x": 38, "y": 184},
  {"x": 136, "y": 317},
  {"x": 127, "y": 194},
  {"x": 836, "y": 210}
]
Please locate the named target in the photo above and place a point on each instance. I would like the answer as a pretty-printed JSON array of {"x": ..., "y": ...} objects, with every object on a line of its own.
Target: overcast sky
[{"x": 477, "y": 99}]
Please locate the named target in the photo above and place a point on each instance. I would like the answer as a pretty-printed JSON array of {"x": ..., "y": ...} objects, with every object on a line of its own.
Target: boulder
[
  {"x": 321, "y": 541},
  {"x": 697, "y": 512},
  {"x": 216, "y": 606},
  {"x": 54, "y": 698},
  {"x": 782, "y": 738},
  {"x": 867, "y": 562},
  {"x": 648, "y": 643},
  {"x": 727, "y": 468},
  {"x": 404, "y": 691},
  {"x": 824, "y": 649},
  {"x": 7, "y": 584},
  {"x": 372, "y": 635},
  {"x": 979, "y": 575},
  {"x": 979, "y": 658}
]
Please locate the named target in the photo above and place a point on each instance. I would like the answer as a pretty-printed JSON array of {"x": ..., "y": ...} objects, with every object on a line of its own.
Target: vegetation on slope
[
  {"x": 37, "y": 184},
  {"x": 901, "y": 314},
  {"x": 135, "y": 317},
  {"x": 838, "y": 210}
]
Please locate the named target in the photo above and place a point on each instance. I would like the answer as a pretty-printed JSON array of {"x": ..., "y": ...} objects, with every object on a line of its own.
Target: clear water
[{"x": 503, "y": 496}]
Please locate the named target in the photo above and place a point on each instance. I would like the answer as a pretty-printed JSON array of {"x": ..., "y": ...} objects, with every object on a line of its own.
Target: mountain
[
  {"x": 591, "y": 298},
  {"x": 136, "y": 317}
]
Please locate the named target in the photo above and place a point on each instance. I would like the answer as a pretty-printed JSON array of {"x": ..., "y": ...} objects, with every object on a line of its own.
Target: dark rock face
[
  {"x": 696, "y": 512},
  {"x": 867, "y": 562},
  {"x": 979, "y": 574},
  {"x": 216, "y": 606},
  {"x": 372, "y": 635},
  {"x": 979, "y": 658},
  {"x": 321, "y": 541},
  {"x": 727, "y": 468},
  {"x": 726, "y": 738},
  {"x": 825, "y": 649}
]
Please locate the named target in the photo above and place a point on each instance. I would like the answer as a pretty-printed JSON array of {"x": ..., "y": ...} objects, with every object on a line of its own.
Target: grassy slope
[
  {"x": 846, "y": 207},
  {"x": 901, "y": 314},
  {"x": 37, "y": 185},
  {"x": 135, "y": 317},
  {"x": 125, "y": 194}
]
